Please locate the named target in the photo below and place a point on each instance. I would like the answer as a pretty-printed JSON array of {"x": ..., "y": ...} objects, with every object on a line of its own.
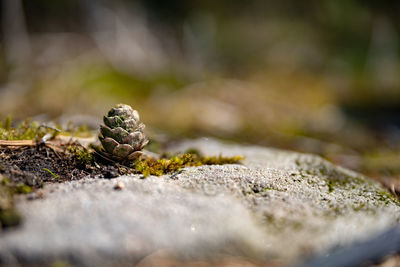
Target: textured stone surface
[{"x": 277, "y": 206}]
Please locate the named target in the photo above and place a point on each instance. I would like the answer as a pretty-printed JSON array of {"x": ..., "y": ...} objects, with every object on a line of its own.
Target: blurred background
[{"x": 314, "y": 76}]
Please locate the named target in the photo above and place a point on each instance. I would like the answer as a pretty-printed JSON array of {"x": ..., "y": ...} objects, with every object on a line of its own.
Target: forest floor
[
  {"x": 36, "y": 165},
  {"x": 26, "y": 168},
  {"x": 28, "y": 165}
]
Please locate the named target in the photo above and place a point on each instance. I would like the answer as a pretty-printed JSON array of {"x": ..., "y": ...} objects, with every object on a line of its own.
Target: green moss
[
  {"x": 336, "y": 180},
  {"x": 32, "y": 130},
  {"x": 6, "y": 201},
  {"x": 331, "y": 185},
  {"x": 345, "y": 182},
  {"x": 22, "y": 188},
  {"x": 267, "y": 189},
  {"x": 4, "y": 181},
  {"x": 366, "y": 188},
  {"x": 83, "y": 155},
  {"x": 25, "y": 130},
  {"x": 7, "y": 123},
  {"x": 8, "y": 188},
  {"x": 387, "y": 198},
  {"x": 172, "y": 164},
  {"x": 8, "y": 215}
]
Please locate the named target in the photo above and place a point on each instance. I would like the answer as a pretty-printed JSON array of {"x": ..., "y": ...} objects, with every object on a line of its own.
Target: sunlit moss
[
  {"x": 82, "y": 154},
  {"x": 172, "y": 164},
  {"x": 25, "y": 130},
  {"x": 32, "y": 130}
]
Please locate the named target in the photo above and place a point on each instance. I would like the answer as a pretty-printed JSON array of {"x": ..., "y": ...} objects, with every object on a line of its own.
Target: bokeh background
[{"x": 314, "y": 76}]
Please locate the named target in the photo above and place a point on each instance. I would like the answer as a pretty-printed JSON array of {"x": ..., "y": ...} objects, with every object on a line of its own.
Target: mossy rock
[{"x": 275, "y": 205}]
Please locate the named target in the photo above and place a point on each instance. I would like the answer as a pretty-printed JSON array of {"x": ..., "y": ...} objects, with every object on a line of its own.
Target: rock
[
  {"x": 279, "y": 206},
  {"x": 119, "y": 186}
]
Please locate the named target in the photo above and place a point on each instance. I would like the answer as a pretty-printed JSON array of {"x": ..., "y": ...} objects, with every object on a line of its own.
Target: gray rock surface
[{"x": 278, "y": 205}]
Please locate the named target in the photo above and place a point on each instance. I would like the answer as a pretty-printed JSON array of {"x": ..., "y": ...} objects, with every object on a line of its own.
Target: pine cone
[{"x": 122, "y": 135}]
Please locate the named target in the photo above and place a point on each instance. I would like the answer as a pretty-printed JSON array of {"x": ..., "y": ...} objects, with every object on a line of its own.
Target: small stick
[{"x": 17, "y": 143}]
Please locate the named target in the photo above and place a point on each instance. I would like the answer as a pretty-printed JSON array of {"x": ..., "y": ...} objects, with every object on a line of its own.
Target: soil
[{"x": 36, "y": 165}]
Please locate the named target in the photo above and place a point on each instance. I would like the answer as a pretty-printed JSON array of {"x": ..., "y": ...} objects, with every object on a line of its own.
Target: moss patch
[
  {"x": 33, "y": 130},
  {"x": 29, "y": 167},
  {"x": 9, "y": 216},
  {"x": 82, "y": 155},
  {"x": 387, "y": 197},
  {"x": 342, "y": 183},
  {"x": 346, "y": 182},
  {"x": 25, "y": 130},
  {"x": 172, "y": 164}
]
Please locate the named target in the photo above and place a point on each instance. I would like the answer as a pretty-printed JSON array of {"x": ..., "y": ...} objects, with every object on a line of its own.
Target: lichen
[
  {"x": 386, "y": 197},
  {"x": 340, "y": 182}
]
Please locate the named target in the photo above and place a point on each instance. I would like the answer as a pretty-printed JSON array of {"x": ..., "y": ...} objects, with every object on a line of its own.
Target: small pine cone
[{"x": 122, "y": 135}]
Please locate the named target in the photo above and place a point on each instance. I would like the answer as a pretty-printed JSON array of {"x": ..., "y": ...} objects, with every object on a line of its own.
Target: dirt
[
  {"x": 36, "y": 165},
  {"x": 25, "y": 168}
]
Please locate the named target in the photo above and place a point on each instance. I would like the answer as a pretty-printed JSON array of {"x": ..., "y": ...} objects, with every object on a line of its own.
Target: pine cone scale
[
  {"x": 123, "y": 150},
  {"x": 109, "y": 144}
]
